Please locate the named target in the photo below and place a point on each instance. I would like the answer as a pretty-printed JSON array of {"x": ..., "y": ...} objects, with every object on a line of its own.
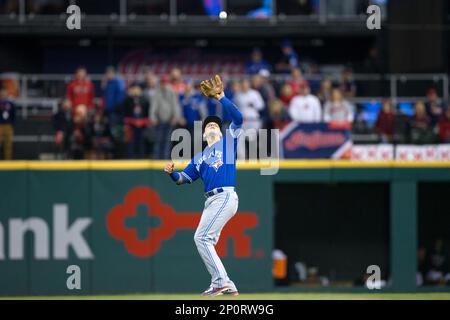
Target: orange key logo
[{"x": 170, "y": 222}]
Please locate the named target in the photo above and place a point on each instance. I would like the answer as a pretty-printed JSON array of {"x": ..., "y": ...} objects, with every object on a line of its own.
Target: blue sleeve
[
  {"x": 177, "y": 178},
  {"x": 190, "y": 173},
  {"x": 233, "y": 110}
]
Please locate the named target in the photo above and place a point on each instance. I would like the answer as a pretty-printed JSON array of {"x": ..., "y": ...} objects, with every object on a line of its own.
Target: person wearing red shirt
[
  {"x": 177, "y": 82},
  {"x": 421, "y": 130},
  {"x": 385, "y": 122},
  {"x": 81, "y": 90},
  {"x": 286, "y": 94},
  {"x": 444, "y": 126},
  {"x": 296, "y": 82}
]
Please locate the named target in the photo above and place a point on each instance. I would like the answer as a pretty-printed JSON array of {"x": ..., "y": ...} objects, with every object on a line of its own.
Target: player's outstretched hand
[
  {"x": 169, "y": 167},
  {"x": 212, "y": 88}
]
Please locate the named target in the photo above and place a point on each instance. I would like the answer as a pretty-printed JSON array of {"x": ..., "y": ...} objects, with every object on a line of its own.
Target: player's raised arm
[{"x": 214, "y": 89}]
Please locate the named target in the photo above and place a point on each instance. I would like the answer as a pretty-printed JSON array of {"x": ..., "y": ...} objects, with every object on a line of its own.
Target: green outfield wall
[{"x": 130, "y": 229}]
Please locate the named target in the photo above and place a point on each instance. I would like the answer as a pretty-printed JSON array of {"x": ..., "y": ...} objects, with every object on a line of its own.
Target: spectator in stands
[
  {"x": 305, "y": 107},
  {"x": 256, "y": 63},
  {"x": 7, "y": 120},
  {"x": 360, "y": 125},
  {"x": 338, "y": 108},
  {"x": 176, "y": 81},
  {"x": 324, "y": 95},
  {"x": 78, "y": 134},
  {"x": 261, "y": 84},
  {"x": 289, "y": 59},
  {"x": 420, "y": 124},
  {"x": 150, "y": 85},
  {"x": 194, "y": 106},
  {"x": 251, "y": 104},
  {"x": 286, "y": 94},
  {"x": 278, "y": 114},
  {"x": 347, "y": 84},
  {"x": 136, "y": 119},
  {"x": 113, "y": 94},
  {"x": 439, "y": 264},
  {"x": 234, "y": 89},
  {"x": 102, "y": 139},
  {"x": 444, "y": 126},
  {"x": 296, "y": 81},
  {"x": 385, "y": 124},
  {"x": 433, "y": 106},
  {"x": 81, "y": 90},
  {"x": 165, "y": 114},
  {"x": 61, "y": 123}
]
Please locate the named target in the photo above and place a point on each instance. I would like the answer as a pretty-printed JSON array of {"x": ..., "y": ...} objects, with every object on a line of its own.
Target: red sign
[{"x": 171, "y": 221}]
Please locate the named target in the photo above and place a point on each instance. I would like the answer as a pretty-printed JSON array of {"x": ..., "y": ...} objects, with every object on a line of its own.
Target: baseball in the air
[{"x": 223, "y": 15}]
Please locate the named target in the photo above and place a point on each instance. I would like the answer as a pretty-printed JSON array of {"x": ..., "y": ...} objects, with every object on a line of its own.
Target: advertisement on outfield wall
[
  {"x": 128, "y": 231},
  {"x": 435, "y": 152},
  {"x": 315, "y": 140}
]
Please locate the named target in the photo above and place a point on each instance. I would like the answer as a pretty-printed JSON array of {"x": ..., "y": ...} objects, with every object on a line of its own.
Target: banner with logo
[
  {"x": 128, "y": 231},
  {"x": 423, "y": 152},
  {"x": 315, "y": 140},
  {"x": 436, "y": 152},
  {"x": 373, "y": 152}
]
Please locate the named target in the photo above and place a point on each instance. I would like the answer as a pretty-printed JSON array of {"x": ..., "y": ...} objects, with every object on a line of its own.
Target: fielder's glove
[{"x": 212, "y": 88}]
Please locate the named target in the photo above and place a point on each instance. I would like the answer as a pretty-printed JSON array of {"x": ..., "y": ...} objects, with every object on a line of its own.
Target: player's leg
[{"x": 218, "y": 210}]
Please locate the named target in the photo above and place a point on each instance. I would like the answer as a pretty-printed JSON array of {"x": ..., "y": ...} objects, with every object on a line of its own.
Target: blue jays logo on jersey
[
  {"x": 214, "y": 159},
  {"x": 216, "y": 164}
]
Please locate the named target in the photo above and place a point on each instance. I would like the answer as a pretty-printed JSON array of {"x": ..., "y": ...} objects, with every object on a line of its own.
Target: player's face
[{"x": 212, "y": 129}]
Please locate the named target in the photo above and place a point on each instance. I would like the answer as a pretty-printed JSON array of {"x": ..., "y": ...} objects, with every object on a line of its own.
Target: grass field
[{"x": 259, "y": 296}]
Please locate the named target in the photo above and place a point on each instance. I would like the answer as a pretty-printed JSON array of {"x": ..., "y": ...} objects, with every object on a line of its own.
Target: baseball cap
[{"x": 209, "y": 119}]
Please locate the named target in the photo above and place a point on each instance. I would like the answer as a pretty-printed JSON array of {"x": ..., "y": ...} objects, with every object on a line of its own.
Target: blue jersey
[{"x": 216, "y": 164}]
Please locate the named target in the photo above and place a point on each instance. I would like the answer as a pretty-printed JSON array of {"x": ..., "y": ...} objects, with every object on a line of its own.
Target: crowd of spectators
[
  {"x": 135, "y": 119},
  {"x": 429, "y": 123},
  {"x": 7, "y": 120}
]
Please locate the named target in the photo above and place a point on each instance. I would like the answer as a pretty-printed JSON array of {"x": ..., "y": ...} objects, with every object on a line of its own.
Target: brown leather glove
[{"x": 212, "y": 88}]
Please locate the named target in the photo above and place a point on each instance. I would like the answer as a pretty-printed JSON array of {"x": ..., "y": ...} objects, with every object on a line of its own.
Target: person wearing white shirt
[
  {"x": 338, "y": 109},
  {"x": 250, "y": 103},
  {"x": 305, "y": 107}
]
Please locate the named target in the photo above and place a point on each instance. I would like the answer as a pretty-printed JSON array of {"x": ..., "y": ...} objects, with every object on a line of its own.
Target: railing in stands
[{"x": 40, "y": 93}]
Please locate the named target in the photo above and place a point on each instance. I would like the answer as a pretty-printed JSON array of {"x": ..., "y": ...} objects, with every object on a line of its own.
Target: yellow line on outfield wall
[{"x": 159, "y": 164}]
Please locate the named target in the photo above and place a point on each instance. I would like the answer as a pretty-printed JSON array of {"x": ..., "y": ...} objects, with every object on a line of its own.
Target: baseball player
[{"x": 216, "y": 166}]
